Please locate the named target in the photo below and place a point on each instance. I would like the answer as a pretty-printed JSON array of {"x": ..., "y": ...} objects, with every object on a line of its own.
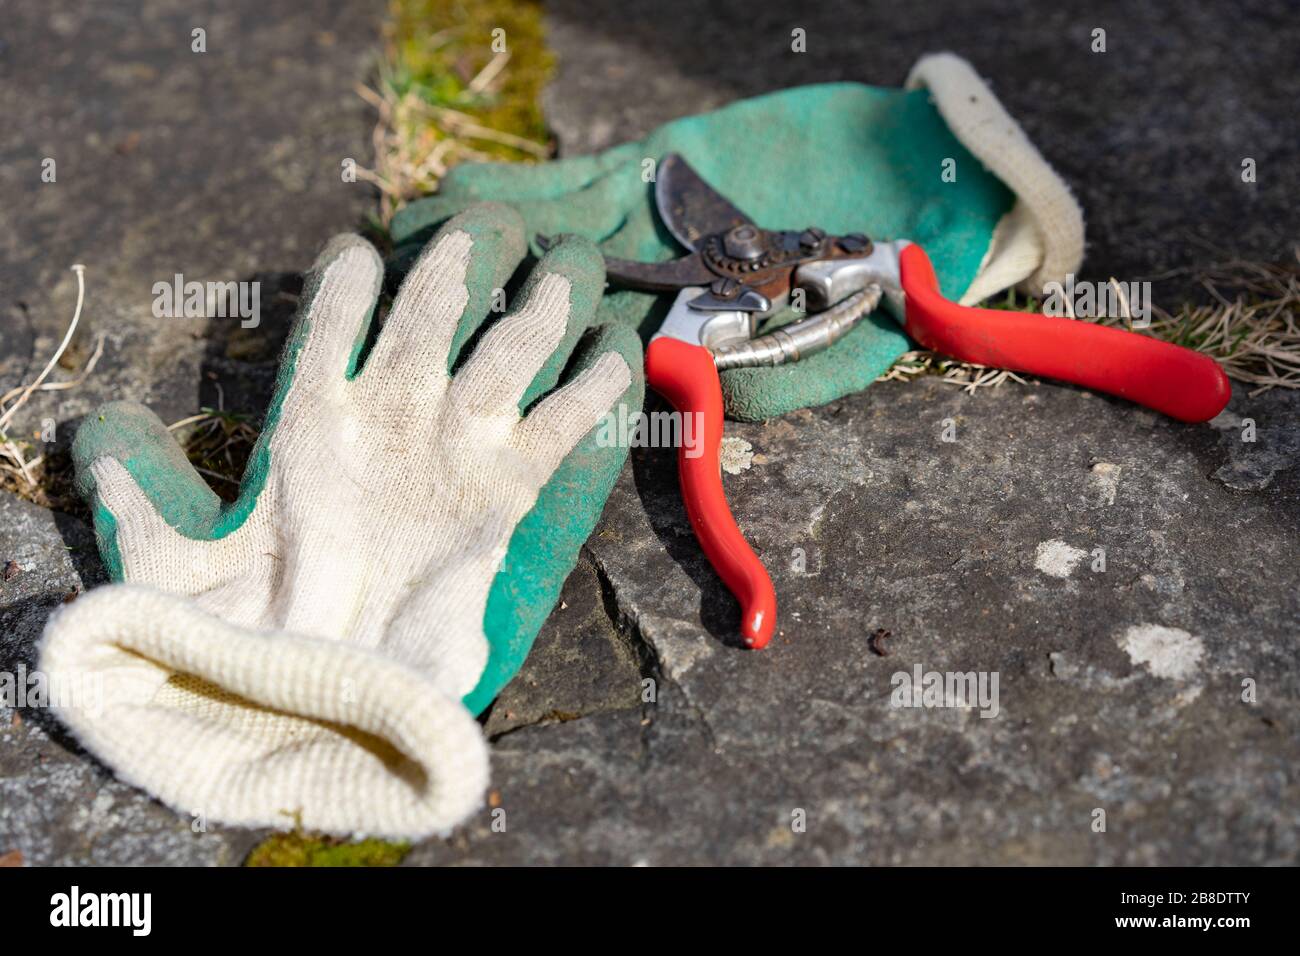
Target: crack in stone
[
  {"x": 551, "y": 717},
  {"x": 652, "y": 666}
]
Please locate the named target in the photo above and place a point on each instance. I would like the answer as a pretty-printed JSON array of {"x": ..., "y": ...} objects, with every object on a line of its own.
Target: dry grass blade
[
  {"x": 22, "y": 393},
  {"x": 29, "y": 477},
  {"x": 1250, "y": 328},
  {"x": 416, "y": 143},
  {"x": 218, "y": 443},
  {"x": 965, "y": 375},
  {"x": 446, "y": 95}
]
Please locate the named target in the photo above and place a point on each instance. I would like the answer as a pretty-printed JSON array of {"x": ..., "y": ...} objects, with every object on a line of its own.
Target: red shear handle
[
  {"x": 684, "y": 374},
  {"x": 1179, "y": 382}
]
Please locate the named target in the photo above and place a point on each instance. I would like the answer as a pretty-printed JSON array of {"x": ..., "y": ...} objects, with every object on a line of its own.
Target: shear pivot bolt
[{"x": 743, "y": 242}]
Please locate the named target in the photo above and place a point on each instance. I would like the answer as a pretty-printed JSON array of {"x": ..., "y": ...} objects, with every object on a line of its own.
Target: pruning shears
[{"x": 738, "y": 273}]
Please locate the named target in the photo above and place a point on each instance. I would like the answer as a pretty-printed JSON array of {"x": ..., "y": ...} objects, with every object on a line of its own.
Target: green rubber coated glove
[
  {"x": 940, "y": 163},
  {"x": 418, "y": 494}
]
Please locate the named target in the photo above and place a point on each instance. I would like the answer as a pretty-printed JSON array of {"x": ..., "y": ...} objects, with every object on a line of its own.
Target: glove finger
[
  {"x": 599, "y": 211},
  {"x": 545, "y": 544},
  {"x": 512, "y": 183},
  {"x": 447, "y": 293},
  {"x": 338, "y": 303},
  {"x": 138, "y": 481},
  {"x": 557, "y": 423},
  {"x": 605, "y": 210},
  {"x": 522, "y": 356},
  {"x": 414, "y": 225},
  {"x": 530, "y": 182}
]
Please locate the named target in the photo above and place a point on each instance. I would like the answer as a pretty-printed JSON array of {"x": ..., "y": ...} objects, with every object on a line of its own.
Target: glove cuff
[
  {"x": 252, "y": 728},
  {"x": 1041, "y": 239}
]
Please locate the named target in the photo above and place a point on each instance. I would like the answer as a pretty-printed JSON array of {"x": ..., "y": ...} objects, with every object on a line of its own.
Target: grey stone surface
[
  {"x": 59, "y": 806},
  {"x": 940, "y": 543},
  {"x": 582, "y": 662},
  {"x": 223, "y": 165},
  {"x": 1119, "y": 689}
]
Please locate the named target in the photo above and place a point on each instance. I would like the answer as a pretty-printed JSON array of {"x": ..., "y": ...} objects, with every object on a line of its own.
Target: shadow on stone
[{"x": 654, "y": 472}]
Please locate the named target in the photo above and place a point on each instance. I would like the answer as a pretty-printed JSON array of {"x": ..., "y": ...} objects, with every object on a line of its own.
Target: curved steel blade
[
  {"x": 658, "y": 276},
  {"x": 689, "y": 206}
]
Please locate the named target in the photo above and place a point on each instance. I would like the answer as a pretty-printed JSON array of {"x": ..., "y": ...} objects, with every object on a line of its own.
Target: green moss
[
  {"x": 436, "y": 48},
  {"x": 305, "y": 849}
]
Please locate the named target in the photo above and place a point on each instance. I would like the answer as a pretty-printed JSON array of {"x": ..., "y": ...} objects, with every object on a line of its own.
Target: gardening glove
[
  {"x": 299, "y": 657},
  {"x": 842, "y": 156}
]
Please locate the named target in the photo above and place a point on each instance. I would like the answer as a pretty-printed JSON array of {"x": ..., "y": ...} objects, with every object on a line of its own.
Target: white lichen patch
[
  {"x": 737, "y": 455},
  {"x": 1057, "y": 559},
  {"x": 1167, "y": 652}
]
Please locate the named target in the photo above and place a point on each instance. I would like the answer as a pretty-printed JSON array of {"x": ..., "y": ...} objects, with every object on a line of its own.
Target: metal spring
[{"x": 803, "y": 338}]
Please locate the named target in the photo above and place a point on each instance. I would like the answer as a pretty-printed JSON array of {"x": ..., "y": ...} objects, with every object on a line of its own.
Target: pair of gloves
[{"x": 315, "y": 653}]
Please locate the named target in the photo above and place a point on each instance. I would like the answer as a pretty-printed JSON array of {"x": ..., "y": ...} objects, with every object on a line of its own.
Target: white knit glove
[{"x": 314, "y": 675}]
